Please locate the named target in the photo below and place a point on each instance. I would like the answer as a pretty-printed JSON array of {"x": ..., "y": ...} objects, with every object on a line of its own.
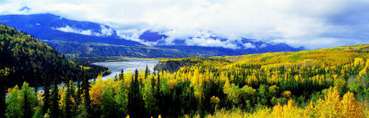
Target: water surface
[{"x": 130, "y": 65}]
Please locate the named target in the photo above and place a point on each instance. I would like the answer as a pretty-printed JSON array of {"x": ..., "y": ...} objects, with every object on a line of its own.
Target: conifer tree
[
  {"x": 46, "y": 94},
  {"x": 2, "y": 97},
  {"x": 79, "y": 91},
  {"x": 85, "y": 90},
  {"x": 121, "y": 75},
  {"x": 147, "y": 71},
  {"x": 55, "y": 101},
  {"x": 135, "y": 106},
  {"x": 26, "y": 106},
  {"x": 67, "y": 100},
  {"x": 28, "y": 100}
]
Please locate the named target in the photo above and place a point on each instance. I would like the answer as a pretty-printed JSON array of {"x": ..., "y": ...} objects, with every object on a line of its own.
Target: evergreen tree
[
  {"x": 158, "y": 95},
  {"x": 46, "y": 94},
  {"x": 3, "y": 78},
  {"x": 121, "y": 75},
  {"x": 68, "y": 102},
  {"x": 79, "y": 91},
  {"x": 135, "y": 106},
  {"x": 28, "y": 100},
  {"x": 2, "y": 97},
  {"x": 147, "y": 71},
  {"x": 54, "y": 100},
  {"x": 26, "y": 105},
  {"x": 85, "y": 90}
]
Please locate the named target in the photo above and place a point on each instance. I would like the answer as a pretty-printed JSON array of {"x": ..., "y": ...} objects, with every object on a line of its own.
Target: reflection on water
[{"x": 131, "y": 65}]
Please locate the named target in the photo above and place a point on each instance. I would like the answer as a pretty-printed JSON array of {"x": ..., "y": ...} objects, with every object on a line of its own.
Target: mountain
[
  {"x": 51, "y": 27},
  {"x": 88, "y": 39},
  {"x": 28, "y": 59}
]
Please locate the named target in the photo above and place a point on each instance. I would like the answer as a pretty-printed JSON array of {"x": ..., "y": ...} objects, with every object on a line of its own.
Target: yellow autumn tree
[
  {"x": 350, "y": 108},
  {"x": 333, "y": 106},
  {"x": 287, "y": 111},
  {"x": 96, "y": 92}
]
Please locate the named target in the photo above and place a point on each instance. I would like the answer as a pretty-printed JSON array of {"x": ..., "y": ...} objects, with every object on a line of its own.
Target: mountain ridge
[{"x": 79, "y": 36}]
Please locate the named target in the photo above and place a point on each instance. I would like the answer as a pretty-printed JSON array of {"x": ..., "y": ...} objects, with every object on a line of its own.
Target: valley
[
  {"x": 184, "y": 59},
  {"x": 280, "y": 84}
]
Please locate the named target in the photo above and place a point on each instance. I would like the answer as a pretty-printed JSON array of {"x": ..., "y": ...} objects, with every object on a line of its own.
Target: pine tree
[
  {"x": 46, "y": 94},
  {"x": 54, "y": 100},
  {"x": 135, "y": 106},
  {"x": 147, "y": 71},
  {"x": 28, "y": 100},
  {"x": 79, "y": 91},
  {"x": 3, "y": 77},
  {"x": 68, "y": 103},
  {"x": 85, "y": 90},
  {"x": 26, "y": 105},
  {"x": 121, "y": 75},
  {"x": 158, "y": 94},
  {"x": 2, "y": 97}
]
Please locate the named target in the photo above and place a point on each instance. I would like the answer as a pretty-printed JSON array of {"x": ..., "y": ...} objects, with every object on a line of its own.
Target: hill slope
[
  {"x": 282, "y": 84},
  {"x": 300, "y": 72},
  {"x": 27, "y": 58}
]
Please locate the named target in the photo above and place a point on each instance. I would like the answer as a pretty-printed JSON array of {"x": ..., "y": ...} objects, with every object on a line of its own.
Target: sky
[{"x": 309, "y": 23}]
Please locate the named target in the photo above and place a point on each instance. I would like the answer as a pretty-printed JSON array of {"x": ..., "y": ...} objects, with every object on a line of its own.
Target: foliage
[
  {"x": 24, "y": 54},
  {"x": 21, "y": 102},
  {"x": 284, "y": 84}
]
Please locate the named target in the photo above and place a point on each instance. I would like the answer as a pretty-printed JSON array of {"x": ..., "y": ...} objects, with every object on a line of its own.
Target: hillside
[
  {"x": 283, "y": 84},
  {"x": 28, "y": 59},
  {"x": 255, "y": 85},
  {"x": 270, "y": 79}
]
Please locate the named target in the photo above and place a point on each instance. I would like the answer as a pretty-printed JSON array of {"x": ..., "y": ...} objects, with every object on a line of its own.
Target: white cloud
[
  {"x": 210, "y": 43},
  {"x": 249, "y": 45},
  {"x": 106, "y": 31},
  {"x": 263, "y": 45},
  {"x": 296, "y": 22},
  {"x": 69, "y": 29},
  {"x": 133, "y": 35}
]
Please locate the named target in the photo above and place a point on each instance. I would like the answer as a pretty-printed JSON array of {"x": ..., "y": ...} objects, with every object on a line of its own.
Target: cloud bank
[
  {"x": 313, "y": 24},
  {"x": 105, "y": 31}
]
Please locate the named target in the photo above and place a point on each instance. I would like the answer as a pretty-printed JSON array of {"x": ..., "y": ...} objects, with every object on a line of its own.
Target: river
[
  {"x": 130, "y": 65},
  {"x": 116, "y": 67}
]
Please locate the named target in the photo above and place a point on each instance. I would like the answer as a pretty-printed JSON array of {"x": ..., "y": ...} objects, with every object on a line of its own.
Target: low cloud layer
[
  {"x": 105, "y": 31},
  {"x": 312, "y": 24}
]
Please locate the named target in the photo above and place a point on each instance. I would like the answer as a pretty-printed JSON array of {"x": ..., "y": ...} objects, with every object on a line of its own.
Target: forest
[
  {"x": 26, "y": 59},
  {"x": 330, "y": 82}
]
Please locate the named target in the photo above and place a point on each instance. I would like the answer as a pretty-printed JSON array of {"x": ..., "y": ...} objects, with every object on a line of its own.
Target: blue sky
[{"x": 309, "y": 23}]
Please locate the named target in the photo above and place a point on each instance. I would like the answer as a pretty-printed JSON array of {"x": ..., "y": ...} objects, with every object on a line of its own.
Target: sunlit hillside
[{"x": 329, "y": 82}]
